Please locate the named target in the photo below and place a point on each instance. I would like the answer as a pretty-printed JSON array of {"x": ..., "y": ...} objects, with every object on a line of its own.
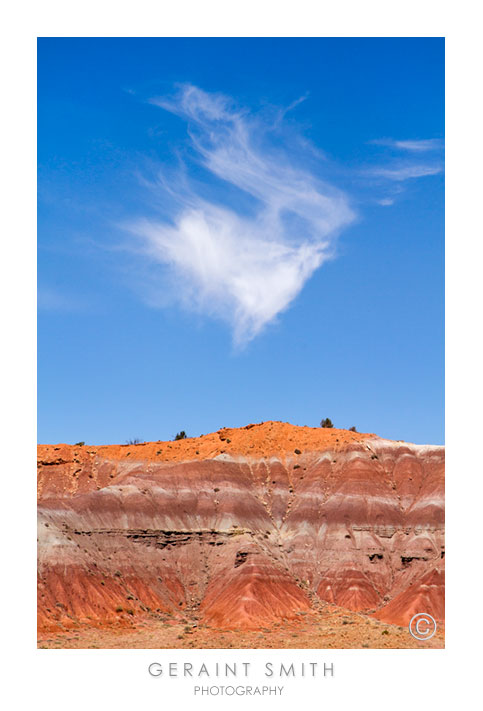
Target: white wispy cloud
[
  {"x": 386, "y": 202},
  {"x": 242, "y": 259},
  {"x": 404, "y": 160},
  {"x": 405, "y": 171},
  {"x": 422, "y": 146},
  {"x": 412, "y": 145},
  {"x": 399, "y": 168}
]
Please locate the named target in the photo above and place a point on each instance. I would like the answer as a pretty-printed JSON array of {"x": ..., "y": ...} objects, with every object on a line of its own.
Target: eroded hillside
[{"x": 240, "y": 529}]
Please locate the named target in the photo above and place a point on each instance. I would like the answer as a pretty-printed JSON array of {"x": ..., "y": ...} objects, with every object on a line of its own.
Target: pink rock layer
[{"x": 239, "y": 541}]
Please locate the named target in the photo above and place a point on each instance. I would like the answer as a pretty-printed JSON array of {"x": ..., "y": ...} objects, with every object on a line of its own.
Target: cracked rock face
[{"x": 212, "y": 529}]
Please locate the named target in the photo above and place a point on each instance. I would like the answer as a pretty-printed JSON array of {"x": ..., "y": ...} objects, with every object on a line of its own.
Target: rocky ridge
[{"x": 240, "y": 528}]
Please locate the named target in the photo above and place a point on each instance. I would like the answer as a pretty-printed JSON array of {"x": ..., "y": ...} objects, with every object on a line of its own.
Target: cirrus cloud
[
  {"x": 420, "y": 145},
  {"x": 241, "y": 242}
]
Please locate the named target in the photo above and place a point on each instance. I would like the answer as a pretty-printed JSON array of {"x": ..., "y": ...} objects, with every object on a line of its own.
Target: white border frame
[{"x": 366, "y": 679}]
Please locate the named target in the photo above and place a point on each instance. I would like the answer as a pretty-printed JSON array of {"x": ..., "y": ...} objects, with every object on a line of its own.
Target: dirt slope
[{"x": 239, "y": 530}]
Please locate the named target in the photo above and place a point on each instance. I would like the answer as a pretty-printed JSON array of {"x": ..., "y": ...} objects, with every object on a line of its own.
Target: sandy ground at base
[{"x": 336, "y": 629}]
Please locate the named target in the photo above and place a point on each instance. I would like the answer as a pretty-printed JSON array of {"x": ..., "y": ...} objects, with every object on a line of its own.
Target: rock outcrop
[{"x": 240, "y": 527}]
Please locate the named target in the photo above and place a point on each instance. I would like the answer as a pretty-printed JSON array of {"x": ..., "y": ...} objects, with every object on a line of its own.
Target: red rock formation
[
  {"x": 240, "y": 527},
  {"x": 424, "y": 595}
]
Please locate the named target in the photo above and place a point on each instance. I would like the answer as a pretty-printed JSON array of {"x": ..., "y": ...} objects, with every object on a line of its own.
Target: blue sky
[{"x": 237, "y": 230}]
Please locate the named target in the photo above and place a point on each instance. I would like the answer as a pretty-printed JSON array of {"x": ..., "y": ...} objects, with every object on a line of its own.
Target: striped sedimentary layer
[{"x": 237, "y": 540}]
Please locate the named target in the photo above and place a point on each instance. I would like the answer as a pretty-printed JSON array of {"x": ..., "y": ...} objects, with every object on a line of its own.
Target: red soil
[{"x": 239, "y": 530}]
